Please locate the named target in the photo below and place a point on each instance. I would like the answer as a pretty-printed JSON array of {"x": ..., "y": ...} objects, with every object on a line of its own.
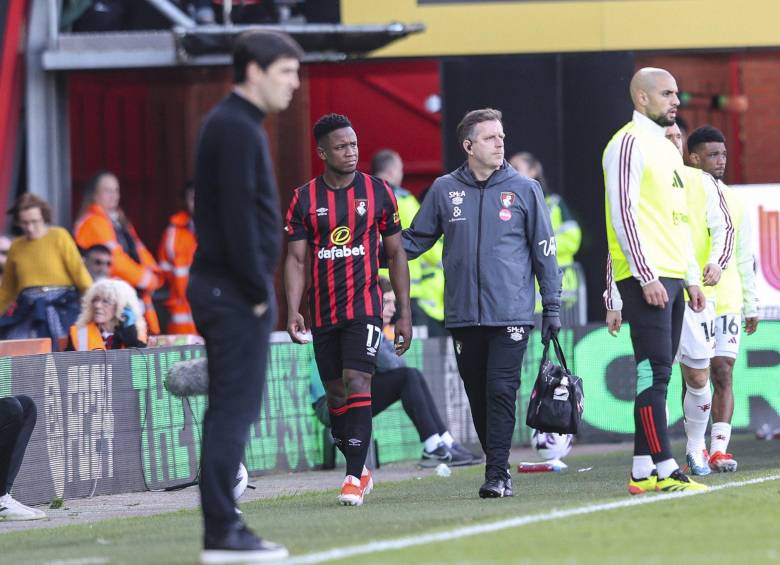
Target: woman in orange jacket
[
  {"x": 110, "y": 318},
  {"x": 102, "y": 221}
]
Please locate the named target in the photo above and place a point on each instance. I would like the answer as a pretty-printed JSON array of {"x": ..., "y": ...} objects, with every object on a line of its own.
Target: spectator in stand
[
  {"x": 248, "y": 11},
  {"x": 18, "y": 415},
  {"x": 102, "y": 221},
  {"x": 97, "y": 260},
  {"x": 44, "y": 275},
  {"x": 110, "y": 319},
  {"x": 177, "y": 249},
  {"x": 426, "y": 273},
  {"x": 5, "y": 245},
  {"x": 93, "y": 15}
]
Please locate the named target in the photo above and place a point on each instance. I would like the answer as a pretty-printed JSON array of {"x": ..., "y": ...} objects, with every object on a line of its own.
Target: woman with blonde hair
[{"x": 111, "y": 318}]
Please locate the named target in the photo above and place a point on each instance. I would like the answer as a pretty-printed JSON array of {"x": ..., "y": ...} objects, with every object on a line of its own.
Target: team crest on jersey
[
  {"x": 361, "y": 206},
  {"x": 340, "y": 236},
  {"x": 396, "y": 218},
  {"x": 507, "y": 199}
]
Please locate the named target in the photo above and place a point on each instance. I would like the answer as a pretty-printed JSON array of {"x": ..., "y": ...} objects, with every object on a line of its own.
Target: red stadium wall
[{"x": 386, "y": 104}]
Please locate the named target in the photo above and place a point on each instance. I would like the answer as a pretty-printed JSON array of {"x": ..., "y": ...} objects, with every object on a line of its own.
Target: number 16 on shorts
[{"x": 728, "y": 330}]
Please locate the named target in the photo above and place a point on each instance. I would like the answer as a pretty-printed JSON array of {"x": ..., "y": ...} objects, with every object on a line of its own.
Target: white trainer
[{"x": 13, "y": 510}]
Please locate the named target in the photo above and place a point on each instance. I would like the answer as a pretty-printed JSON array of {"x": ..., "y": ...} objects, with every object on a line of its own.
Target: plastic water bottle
[{"x": 553, "y": 466}]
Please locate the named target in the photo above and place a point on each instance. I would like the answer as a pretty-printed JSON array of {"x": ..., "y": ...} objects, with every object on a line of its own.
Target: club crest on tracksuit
[{"x": 507, "y": 199}]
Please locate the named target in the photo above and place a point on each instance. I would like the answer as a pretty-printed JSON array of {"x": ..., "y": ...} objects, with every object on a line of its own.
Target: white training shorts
[
  {"x": 728, "y": 329},
  {"x": 697, "y": 342}
]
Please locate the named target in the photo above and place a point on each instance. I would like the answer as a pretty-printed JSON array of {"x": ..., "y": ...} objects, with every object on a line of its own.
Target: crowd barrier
[{"x": 107, "y": 425}]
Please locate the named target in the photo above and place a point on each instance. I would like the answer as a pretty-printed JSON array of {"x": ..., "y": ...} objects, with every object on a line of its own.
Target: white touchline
[{"x": 401, "y": 543}]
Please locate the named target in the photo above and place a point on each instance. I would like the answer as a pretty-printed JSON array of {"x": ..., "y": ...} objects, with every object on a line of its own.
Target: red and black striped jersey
[{"x": 342, "y": 227}]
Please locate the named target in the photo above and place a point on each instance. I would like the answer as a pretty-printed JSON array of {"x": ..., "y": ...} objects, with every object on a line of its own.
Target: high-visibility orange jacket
[
  {"x": 95, "y": 227},
  {"x": 177, "y": 249},
  {"x": 89, "y": 337}
]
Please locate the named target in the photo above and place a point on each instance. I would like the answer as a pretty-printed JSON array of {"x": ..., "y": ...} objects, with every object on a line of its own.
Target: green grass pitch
[{"x": 726, "y": 526}]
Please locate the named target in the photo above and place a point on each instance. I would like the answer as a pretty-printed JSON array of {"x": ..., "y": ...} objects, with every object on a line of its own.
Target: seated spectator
[
  {"x": 175, "y": 254},
  {"x": 5, "y": 245},
  {"x": 44, "y": 275},
  {"x": 97, "y": 260},
  {"x": 18, "y": 415},
  {"x": 426, "y": 273},
  {"x": 395, "y": 381},
  {"x": 93, "y": 15},
  {"x": 248, "y": 12},
  {"x": 110, "y": 319},
  {"x": 102, "y": 221}
]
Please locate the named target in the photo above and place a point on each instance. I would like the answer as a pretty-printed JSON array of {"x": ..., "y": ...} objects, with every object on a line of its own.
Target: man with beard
[{"x": 652, "y": 260}]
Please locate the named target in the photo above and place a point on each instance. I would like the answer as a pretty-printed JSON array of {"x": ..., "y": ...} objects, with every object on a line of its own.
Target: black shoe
[
  {"x": 441, "y": 454},
  {"x": 493, "y": 488},
  {"x": 240, "y": 545},
  {"x": 461, "y": 456},
  {"x": 508, "y": 491}
]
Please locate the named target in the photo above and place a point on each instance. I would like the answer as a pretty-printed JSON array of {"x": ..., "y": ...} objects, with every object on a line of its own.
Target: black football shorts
[{"x": 349, "y": 345}]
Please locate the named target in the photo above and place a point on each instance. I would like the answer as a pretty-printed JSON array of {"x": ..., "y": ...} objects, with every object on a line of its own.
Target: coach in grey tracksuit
[{"x": 497, "y": 237}]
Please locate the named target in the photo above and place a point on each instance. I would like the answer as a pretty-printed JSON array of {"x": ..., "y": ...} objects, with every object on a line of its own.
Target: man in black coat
[{"x": 239, "y": 228}]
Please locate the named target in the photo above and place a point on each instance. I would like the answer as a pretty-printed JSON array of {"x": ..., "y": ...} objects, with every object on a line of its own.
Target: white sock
[
  {"x": 696, "y": 407},
  {"x": 666, "y": 468},
  {"x": 447, "y": 439},
  {"x": 720, "y": 436},
  {"x": 432, "y": 443},
  {"x": 642, "y": 466}
]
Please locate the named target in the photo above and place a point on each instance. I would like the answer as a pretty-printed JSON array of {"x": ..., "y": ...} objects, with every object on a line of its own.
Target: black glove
[
  {"x": 127, "y": 336},
  {"x": 551, "y": 325}
]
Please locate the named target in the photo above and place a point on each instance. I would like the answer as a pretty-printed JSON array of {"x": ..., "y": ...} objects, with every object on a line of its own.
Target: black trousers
[
  {"x": 655, "y": 336},
  {"x": 18, "y": 415},
  {"x": 489, "y": 361},
  {"x": 237, "y": 349},
  {"x": 408, "y": 385}
]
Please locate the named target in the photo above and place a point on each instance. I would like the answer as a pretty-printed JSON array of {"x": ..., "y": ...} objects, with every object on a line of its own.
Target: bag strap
[{"x": 558, "y": 352}]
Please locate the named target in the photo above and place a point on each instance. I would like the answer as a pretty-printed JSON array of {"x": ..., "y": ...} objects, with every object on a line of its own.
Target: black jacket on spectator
[{"x": 237, "y": 217}]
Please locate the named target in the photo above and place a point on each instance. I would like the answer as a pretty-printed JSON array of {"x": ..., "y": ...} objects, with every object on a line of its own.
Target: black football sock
[{"x": 357, "y": 436}]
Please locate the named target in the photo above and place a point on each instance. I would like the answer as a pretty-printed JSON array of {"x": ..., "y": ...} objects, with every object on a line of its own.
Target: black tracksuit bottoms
[
  {"x": 18, "y": 415},
  {"x": 408, "y": 385},
  {"x": 655, "y": 336},
  {"x": 489, "y": 361},
  {"x": 237, "y": 349}
]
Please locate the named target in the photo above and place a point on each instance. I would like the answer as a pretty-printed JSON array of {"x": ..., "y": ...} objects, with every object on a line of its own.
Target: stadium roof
[{"x": 210, "y": 45}]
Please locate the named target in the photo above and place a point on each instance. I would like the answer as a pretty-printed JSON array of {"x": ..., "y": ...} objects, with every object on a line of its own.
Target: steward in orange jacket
[
  {"x": 141, "y": 272},
  {"x": 177, "y": 249}
]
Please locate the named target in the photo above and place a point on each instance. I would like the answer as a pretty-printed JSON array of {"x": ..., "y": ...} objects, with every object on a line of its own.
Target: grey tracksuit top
[{"x": 496, "y": 239}]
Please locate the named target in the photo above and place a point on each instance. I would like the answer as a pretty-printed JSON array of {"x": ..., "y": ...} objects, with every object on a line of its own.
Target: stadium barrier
[{"x": 107, "y": 425}]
